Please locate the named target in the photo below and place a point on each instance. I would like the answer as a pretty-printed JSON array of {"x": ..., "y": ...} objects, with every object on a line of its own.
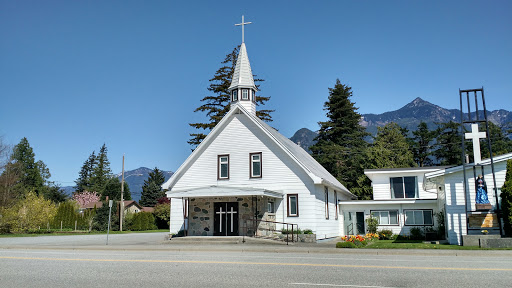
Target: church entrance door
[{"x": 225, "y": 219}]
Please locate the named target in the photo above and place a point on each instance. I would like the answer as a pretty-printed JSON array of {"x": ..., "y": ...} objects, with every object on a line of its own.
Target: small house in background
[
  {"x": 400, "y": 202},
  {"x": 131, "y": 206}
]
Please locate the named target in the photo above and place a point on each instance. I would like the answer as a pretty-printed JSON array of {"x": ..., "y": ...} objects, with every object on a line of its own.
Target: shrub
[
  {"x": 162, "y": 215},
  {"x": 289, "y": 231},
  {"x": 308, "y": 231},
  {"x": 28, "y": 214},
  {"x": 345, "y": 244},
  {"x": 142, "y": 221},
  {"x": 416, "y": 233},
  {"x": 506, "y": 200},
  {"x": 372, "y": 223},
  {"x": 385, "y": 234}
]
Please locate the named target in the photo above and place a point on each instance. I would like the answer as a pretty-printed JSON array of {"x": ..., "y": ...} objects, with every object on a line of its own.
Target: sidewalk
[{"x": 160, "y": 242}]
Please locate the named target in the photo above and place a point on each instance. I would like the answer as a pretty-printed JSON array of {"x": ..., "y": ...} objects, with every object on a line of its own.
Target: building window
[
  {"x": 223, "y": 167},
  {"x": 293, "y": 205},
  {"x": 255, "y": 165},
  {"x": 235, "y": 95},
  {"x": 271, "y": 206},
  {"x": 326, "y": 197},
  {"x": 419, "y": 217},
  {"x": 386, "y": 217},
  {"x": 245, "y": 94},
  {"x": 404, "y": 187},
  {"x": 336, "y": 205},
  {"x": 253, "y": 93}
]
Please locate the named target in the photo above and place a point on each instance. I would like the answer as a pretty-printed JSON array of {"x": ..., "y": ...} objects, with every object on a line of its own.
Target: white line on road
[{"x": 338, "y": 285}]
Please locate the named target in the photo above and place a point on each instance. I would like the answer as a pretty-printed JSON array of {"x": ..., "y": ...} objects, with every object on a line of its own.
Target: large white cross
[
  {"x": 232, "y": 215},
  {"x": 476, "y": 136},
  {"x": 220, "y": 221},
  {"x": 242, "y": 24}
]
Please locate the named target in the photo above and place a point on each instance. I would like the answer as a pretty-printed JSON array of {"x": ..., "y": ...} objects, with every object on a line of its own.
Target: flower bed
[{"x": 358, "y": 241}]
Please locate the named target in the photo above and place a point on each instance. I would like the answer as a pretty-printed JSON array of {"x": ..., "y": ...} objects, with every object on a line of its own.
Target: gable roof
[
  {"x": 455, "y": 169},
  {"x": 316, "y": 172}
]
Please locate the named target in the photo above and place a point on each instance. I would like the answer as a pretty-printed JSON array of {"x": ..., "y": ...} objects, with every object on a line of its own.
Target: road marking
[
  {"x": 338, "y": 285},
  {"x": 256, "y": 263}
]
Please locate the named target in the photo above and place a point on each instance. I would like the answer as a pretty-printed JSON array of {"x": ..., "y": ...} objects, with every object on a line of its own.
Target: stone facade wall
[{"x": 200, "y": 218}]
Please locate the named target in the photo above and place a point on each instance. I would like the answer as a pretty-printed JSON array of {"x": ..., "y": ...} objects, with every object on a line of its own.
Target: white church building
[{"x": 245, "y": 177}]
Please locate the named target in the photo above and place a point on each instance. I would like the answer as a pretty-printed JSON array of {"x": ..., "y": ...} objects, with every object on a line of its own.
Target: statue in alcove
[{"x": 481, "y": 193}]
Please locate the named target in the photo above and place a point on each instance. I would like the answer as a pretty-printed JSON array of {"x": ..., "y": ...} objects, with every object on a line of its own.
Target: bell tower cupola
[{"x": 242, "y": 88}]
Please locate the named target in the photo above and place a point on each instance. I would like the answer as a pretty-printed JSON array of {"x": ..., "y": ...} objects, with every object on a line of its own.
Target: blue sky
[{"x": 77, "y": 74}]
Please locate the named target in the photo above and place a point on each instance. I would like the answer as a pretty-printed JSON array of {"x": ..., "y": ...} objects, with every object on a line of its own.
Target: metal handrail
[
  {"x": 275, "y": 222},
  {"x": 350, "y": 227}
]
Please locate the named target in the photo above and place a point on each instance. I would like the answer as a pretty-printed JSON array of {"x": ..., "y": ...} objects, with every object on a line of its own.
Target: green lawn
[
  {"x": 58, "y": 233},
  {"x": 417, "y": 244}
]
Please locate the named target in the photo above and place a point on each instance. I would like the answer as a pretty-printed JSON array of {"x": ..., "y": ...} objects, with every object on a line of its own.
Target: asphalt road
[{"x": 159, "y": 265}]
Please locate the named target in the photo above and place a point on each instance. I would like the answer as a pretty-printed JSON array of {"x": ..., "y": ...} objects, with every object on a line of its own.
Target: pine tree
[
  {"x": 84, "y": 181},
  {"x": 506, "y": 200},
  {"x": 500, "y": 143},
  {"x": 421, "y": 145},
  {"x": 448, "y": 144},
  {"x": 340, "y": 143},
  {"x": 217, "y": 105},
  {"x": 390, "y": 149},
  {"x": 152, "y": 188},
  {"x": 101, "y": 172},
  {"x": 31, "y": 179},
  {"x": 113, "y": 190}
]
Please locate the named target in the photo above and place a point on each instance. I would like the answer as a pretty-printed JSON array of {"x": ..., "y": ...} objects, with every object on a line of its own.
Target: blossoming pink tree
[{"x": 85, "y": 197}]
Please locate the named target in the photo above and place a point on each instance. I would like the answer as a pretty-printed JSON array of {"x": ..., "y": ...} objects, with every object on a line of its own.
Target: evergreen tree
[
  {"x": 390, "y": 149},
  {"x": 340, "y": 143},
  {"x": 448, "y": 144},
  {"x": 217, "y": 105},
  {"x": 421, "y": 145},
  {"x": 113, "y": 190},
  {"x": 84, "y": 181},
  {"x": 31, "y": 179},
  {"x": 500, "y": 143},
  {"x": 152, "y": 188},
  {"x": 506, "y": 200},
  {"x": 101, "y": 173}
]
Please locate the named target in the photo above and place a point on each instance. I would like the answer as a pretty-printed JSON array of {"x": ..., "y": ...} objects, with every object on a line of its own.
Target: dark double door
[{"x": 225, "y": 219}]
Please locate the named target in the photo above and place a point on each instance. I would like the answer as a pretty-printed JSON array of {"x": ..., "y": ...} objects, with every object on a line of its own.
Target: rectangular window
[
  {"x": 326, "y": 196},
  {"x": 271, "y": 206},
  {"x": 386, "y": 217},
  {"x": 253, "y": 93},
  {"x": 336, "y": 205},
  {"x": 419, "y": 217},
  {"x": 235, "y": 95},
  {"x": 255, "y": 165},
  {"x": 245, "y": 94},
  {"x": 223, "y": 167},
  {"x": 404, "y": 187},
  {"x": 293, "y": 205}
]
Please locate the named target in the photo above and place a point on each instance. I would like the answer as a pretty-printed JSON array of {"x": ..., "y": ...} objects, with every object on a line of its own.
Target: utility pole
[{"x": 121, "y": 213}]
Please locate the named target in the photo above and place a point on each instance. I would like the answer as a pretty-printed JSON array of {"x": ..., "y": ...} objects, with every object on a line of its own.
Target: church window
[
  {"x": 253, "y": 93},
  {"x": 271, "y": 206},
  {"x": 404, "y": 187},
  {"x": 235, "y": 95},
  {"x": 255, "y": 159},
  {"x": 223, "y": 167},
  {"x": 336, "y": 205},
  {"x": 419, "y": 217},
  {"x": 386, "y": 217},
  {"x": 245, "y": 94},
  {"x": 293, "y": 205},
  {"x": 326, "y": 196}
]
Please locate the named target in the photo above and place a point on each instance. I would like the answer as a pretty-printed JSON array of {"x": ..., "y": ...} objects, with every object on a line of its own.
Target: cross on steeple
[
  {"x": 242, "y": 24},
  {"x": 475, "y": 136}
]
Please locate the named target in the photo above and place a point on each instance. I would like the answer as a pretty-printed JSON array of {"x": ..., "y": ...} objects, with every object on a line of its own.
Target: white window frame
[
  {"x": 289, "y": 206},
  {"x": 235, "y": 95},
  {"x": 336, "y": 205},
  {"x": 245, "y": 94},
  {"x": 378, "y": 214},
  {"x": 252, "y": 161},
  {"x": 271, "y": 206},
  {"x": 404, "y": 195},
  {"x": 221, "y": 162},
  {"x": 416, "y": 218}
]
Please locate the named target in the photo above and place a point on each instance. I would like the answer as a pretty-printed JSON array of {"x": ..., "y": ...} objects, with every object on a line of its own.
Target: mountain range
[
  {"x": 409, "y": 116},
  {"x": 134, "y": 178}
]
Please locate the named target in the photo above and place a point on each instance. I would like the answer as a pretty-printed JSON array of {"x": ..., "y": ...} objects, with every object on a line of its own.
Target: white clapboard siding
[{"x": 381, "y": 183}]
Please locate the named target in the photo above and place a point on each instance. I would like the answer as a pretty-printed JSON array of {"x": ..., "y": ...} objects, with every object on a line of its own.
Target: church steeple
[{"x": 242, "y": 88}]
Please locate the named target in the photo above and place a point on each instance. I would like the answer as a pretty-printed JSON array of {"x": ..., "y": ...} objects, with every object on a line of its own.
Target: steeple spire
[{"x": 242, "y": 88}]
